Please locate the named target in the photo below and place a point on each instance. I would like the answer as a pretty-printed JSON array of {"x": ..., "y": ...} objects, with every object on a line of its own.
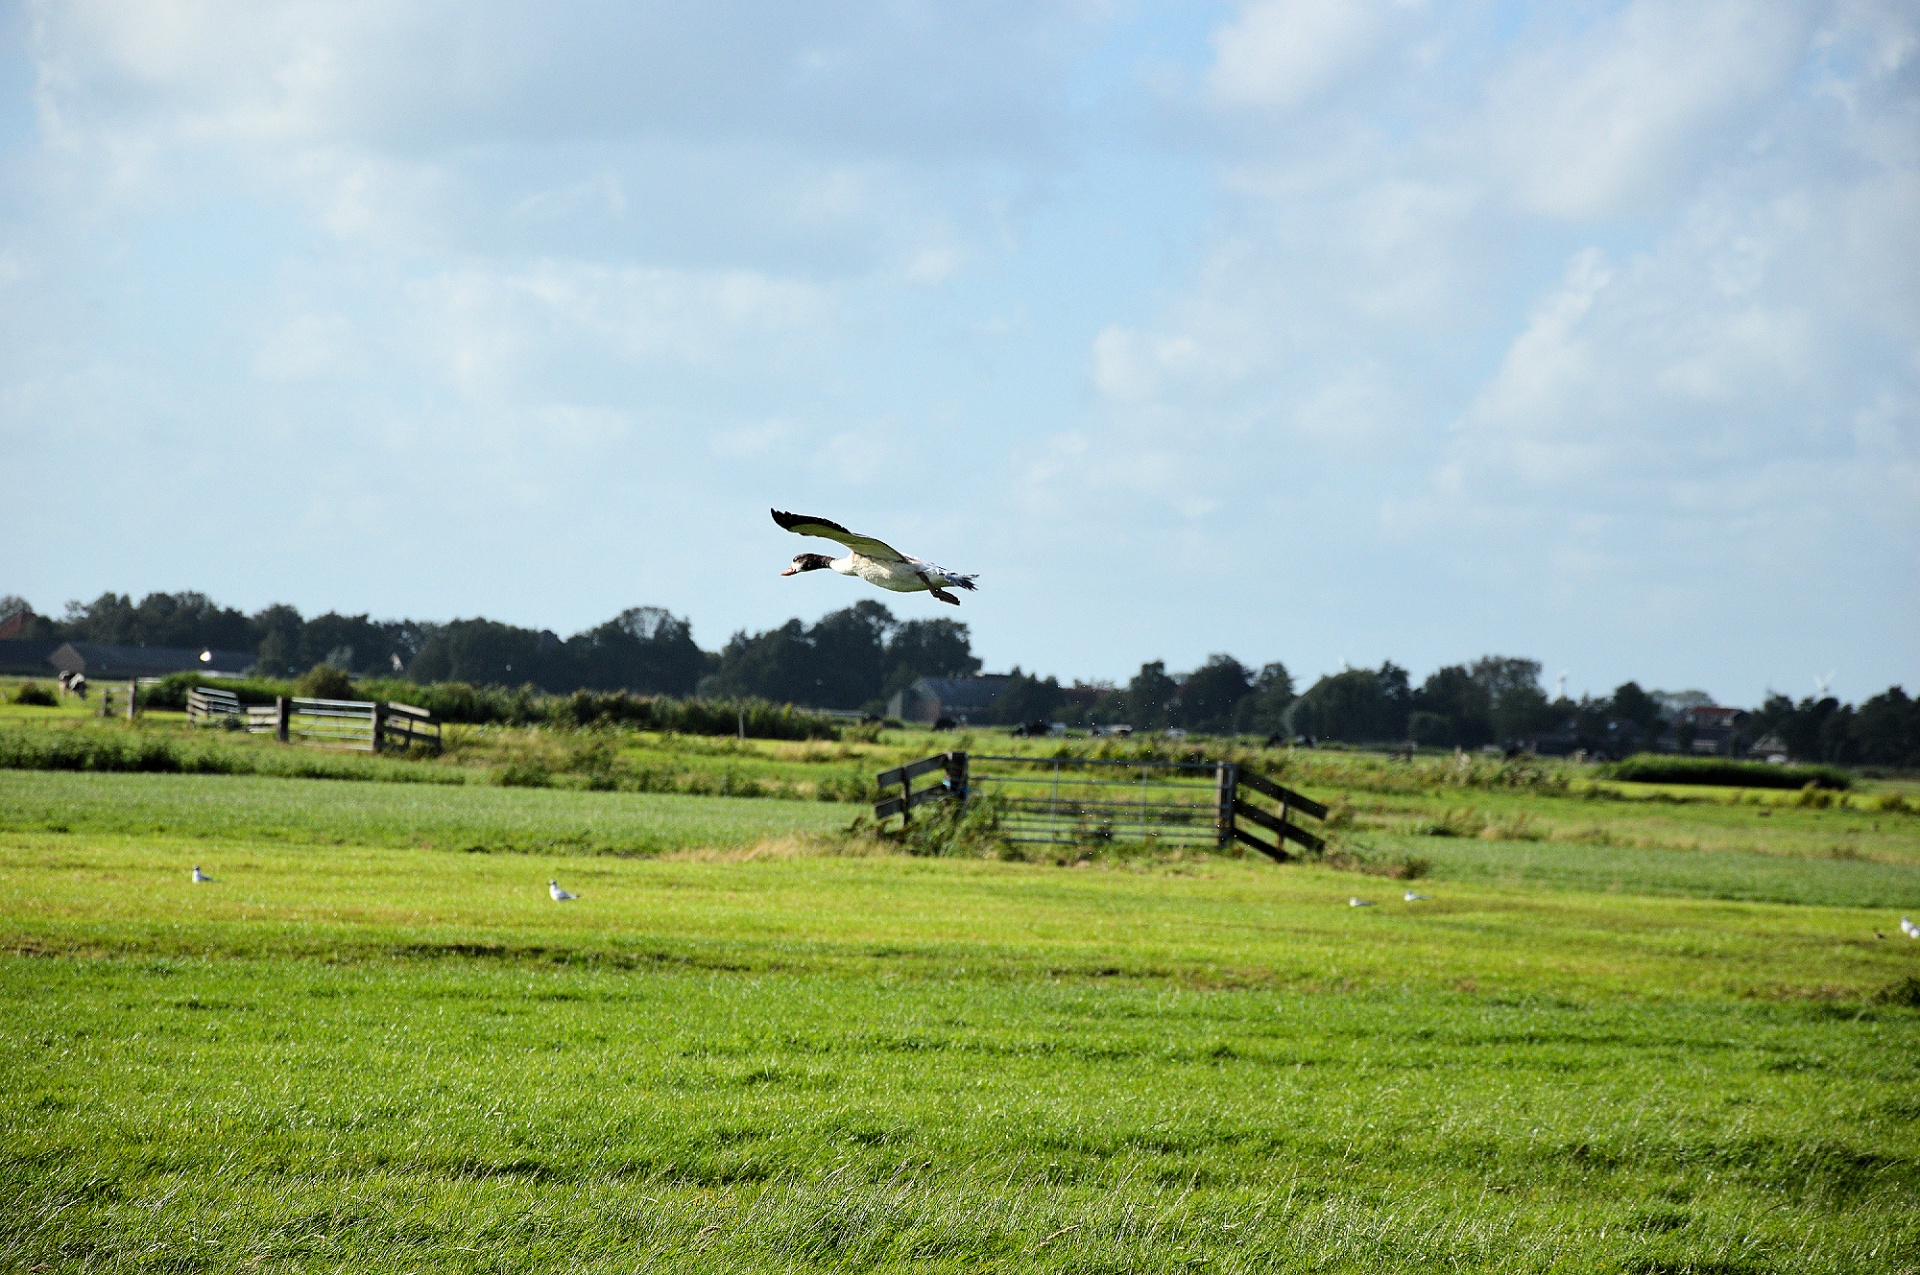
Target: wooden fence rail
[
  {"x": 1070, "y": 799},
  {"x": 365, "y": 725}
]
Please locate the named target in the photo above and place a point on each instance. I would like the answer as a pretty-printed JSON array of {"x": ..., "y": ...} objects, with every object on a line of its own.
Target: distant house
[
  {"x": 1770, "y": 748},
  {"x": 98, "y": 661},
  {"x": 15, "y": 624},
  {"x": 26, "y": 659},
  {"x": 1714, "y": 727},
  {"x": 928, "y": 699}
]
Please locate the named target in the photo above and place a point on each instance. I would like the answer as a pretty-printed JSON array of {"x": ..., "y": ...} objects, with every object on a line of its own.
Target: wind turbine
[
  {"x": 1560, "y": 686},
  {"x": 1820, "y": 684}
]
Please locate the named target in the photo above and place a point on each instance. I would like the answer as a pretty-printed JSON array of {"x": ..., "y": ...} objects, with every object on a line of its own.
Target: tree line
[{"x": 857, "y": 657}]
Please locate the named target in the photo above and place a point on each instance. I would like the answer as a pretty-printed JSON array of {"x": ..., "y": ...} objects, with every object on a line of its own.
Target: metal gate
[
  {"x": 1053, "y": 800},
  {"x": 1085, "y": 801}
]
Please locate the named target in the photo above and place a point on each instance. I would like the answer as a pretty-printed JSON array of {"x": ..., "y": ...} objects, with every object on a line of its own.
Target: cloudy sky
[{"x": 1301, "y": 330}]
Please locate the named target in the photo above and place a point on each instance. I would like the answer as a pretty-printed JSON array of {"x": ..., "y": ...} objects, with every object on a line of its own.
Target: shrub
[
  {"x": 949, "y": 829},
  {"x": 171, "y": 691},
  {"x": 34, "y": 695},
  {"x": 1724, "y": 772},
  {"x": 1905, "y": 993},
  {"x": 523, "y": 772},
  {"x": 323, "y": 681}
]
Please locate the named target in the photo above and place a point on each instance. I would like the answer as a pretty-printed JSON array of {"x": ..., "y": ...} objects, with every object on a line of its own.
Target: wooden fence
[
  {"x": 1074, "y": 800},
  {"x": 366, "y": 725}
]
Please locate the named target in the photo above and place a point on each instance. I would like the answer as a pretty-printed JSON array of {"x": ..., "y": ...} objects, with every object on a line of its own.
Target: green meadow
[{"x": 1628, "y": 1032}]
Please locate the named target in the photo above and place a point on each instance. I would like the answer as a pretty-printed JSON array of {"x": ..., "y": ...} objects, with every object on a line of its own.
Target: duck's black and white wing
[{"x": 827, "y": 529}]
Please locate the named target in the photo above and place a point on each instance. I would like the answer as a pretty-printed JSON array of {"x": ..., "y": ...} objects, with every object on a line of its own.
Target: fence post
[
  {"x": 379, "y": 722},
  {"x": 1226, "y": 781},
  {"x": 957, "y": 776},
  {"x": 133, "y": 697},
  {"x": 283, "y": 717}
]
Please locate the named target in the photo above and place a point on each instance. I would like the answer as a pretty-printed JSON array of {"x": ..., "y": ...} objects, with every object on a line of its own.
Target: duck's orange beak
[{"x": 791, "y": 571}]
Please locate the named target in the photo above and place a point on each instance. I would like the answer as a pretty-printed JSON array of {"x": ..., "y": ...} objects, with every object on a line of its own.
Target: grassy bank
[{"x": 1619, "y": 1035}]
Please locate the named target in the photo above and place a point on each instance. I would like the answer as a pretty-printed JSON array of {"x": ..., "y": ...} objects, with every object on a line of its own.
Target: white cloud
[
  {"x": 1280, "y": 54},
  {"x": 1398, "y": 331},
  {"x": 1616, "y": 117},
  {"x": 306, "y": 347}
]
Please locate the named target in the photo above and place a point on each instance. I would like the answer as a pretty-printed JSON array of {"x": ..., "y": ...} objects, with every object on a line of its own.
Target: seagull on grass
[
  {"x": 875, "y": 561},
  {"x": 559, "y": 895},
  {"x": 1358, "y": 902},
  {"x": 199, "y": 877},
  {"x": 1908, "y": 928},
  {"x": 1411, "y": 897}
]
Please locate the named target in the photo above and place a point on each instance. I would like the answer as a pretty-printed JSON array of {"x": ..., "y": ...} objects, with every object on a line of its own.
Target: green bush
[
  {"x": 323, "y": 681},
  {"x": 1723, "y": 772},
  {"x": 34, "y": 695},
  {"x": 523, "y": 772},
  {"x": 171, "y": 691}
]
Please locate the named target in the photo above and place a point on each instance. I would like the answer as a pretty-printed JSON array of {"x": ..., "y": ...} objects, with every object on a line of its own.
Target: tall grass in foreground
[{"x": 289, "y": 1115}]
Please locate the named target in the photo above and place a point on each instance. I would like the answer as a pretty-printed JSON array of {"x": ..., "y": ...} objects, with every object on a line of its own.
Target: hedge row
[
  {"x": 1723, "y": 772},
  {"x": 157, "y": 754},
  {"x": 527, "y": 706}
]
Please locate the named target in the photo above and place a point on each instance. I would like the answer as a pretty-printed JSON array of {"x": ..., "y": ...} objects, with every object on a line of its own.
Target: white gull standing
[{"x": 559, "y": 895}]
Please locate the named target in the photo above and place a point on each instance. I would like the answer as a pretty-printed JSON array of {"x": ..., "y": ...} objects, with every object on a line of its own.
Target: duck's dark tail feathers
[{"x": 963, "y": 582}]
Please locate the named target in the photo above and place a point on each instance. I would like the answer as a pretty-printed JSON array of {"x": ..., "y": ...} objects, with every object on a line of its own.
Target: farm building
[
  {"x": 98, "y": 661},
  {"x": 1714, "y": 727},
  {"x": 928, "y": 699},
  {"x": 26, "y": 659}
]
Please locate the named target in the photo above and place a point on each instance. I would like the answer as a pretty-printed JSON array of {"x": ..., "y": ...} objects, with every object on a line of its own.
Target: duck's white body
[
  {"x": 875, "y": 561},
  {"x": 909, "y": 575}
]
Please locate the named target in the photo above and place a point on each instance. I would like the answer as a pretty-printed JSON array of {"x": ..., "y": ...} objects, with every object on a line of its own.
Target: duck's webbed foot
[{"x": 943, "y": 595}]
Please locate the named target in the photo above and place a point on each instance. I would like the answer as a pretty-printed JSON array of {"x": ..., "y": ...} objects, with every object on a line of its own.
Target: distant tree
[
  {"x": 1027, "y": 699},
  {"x": 1357, "y": 705},
  {"x": 1500, "y": 675},
  {"x": 1264, "y": 710},
  {"x": 774, "y": 664},
  {"x": 643, "y": 649},
  {"x": 186, "y": 619},
  {"x": 928, "y": 648},
  {"x": 1638, "y": 709},
  {"x": 1454, "y": 707},
  {"x": 276, "y": 639},
  {"x": 1432, "y": 729},
  {"x": 836, "y": 663},
  {"x": 481, "y": 652},
  {"x": 1516, "y": 705},
  {"x": 351, "y": 642},
  {"x": 849, "y": 654},
  {"x": 1210, "y": 696},
  {"x": 1886, "y": 730},
  {"x": 1152, "y": 697}
]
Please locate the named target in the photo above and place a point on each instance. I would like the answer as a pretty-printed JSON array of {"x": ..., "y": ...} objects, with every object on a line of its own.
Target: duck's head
[{"x": 807, "y": 562}]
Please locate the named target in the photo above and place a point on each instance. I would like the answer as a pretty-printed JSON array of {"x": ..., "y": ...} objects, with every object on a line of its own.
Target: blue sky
[{"x": 1303, "y": 331}]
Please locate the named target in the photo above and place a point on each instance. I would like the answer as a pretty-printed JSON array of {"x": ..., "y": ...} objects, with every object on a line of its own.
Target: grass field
[{"x": 1623, "y": 1035}]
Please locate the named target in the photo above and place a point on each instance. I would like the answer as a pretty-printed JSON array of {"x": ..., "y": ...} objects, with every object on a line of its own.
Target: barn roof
[{"x": 96, "y": 659}]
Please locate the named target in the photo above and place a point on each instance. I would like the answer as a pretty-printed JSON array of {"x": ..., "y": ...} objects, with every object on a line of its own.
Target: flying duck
[{"x": 872, "y": 560}]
